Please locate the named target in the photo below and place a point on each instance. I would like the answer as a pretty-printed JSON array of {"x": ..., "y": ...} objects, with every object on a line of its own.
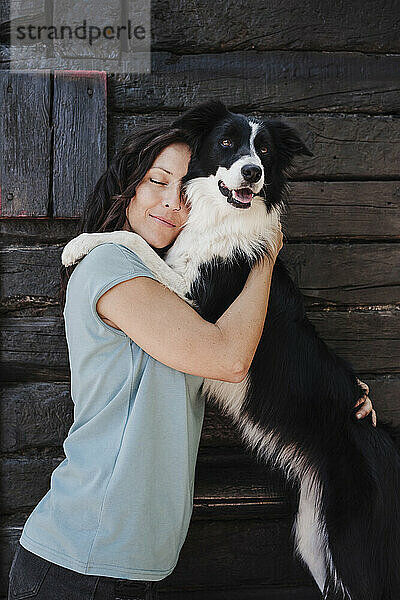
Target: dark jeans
[{"x": 32, "y": 576}]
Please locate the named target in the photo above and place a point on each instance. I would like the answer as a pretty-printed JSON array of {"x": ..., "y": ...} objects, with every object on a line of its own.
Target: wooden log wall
[{"x": 329, "y": 69}]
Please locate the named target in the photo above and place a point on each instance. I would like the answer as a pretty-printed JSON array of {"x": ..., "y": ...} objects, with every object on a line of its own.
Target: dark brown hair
[{"x": 106, "y": 206}]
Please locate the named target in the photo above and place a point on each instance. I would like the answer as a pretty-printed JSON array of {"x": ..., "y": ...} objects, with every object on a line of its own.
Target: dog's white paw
[
  {"x": 81, "y": 245},
  {"x": 77, "y": 248}
]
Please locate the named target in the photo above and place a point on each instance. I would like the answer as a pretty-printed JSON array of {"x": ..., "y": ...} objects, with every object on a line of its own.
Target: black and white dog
[{"x": 295, "y": 408}]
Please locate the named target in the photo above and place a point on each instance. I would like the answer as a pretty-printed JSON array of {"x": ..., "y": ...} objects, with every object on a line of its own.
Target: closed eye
[{"x": 157, "y": 182}]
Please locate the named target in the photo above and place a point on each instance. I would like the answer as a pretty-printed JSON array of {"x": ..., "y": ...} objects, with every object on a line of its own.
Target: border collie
[{"x": 295, "y": 408}]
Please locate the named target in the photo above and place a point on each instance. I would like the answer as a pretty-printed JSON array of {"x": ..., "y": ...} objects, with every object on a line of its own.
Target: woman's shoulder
[
  {"x": 111, "y": 255},
  {"x": 106, "y": 263}
]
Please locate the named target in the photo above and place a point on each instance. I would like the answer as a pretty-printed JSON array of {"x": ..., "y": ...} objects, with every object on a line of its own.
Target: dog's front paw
[
  {"x": 77, "y": 248},
  {"x": 81, "y": 245}
]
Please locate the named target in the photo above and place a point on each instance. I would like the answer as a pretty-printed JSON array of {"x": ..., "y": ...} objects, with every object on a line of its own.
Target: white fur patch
[
  {"x": 309, "y": 535},
  {"x": 255, "y": 127}
]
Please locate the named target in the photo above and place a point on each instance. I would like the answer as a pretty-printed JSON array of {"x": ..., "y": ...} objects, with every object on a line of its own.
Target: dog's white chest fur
[{"x": 216, "y": 229}]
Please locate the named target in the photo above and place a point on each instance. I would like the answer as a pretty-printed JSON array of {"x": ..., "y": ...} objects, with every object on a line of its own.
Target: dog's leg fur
[
  {"x": 78, "y": 247},
  {"x": 309, "y": 531}
]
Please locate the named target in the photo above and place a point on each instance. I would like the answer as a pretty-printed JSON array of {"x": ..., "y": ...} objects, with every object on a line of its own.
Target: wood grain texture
[
  {"x": 345, "y": 147},
  {"x": 352, "y": 274},
  {"x": 30, "y": 272},
  {"x": 369, "y": 339},
  {"x": 364, "y": 210},
  {"x": 34, "y": 415},
  {"x": 36, "y": 232},
  {"x": 80, "y": 138},
  {"x": 235, "y": 553},
  {"x": 187, "y": 26},
  {"x": 25, "y": 143},
  {"x": 265, "y": 81},
  {"x": 33, "y": 349}
]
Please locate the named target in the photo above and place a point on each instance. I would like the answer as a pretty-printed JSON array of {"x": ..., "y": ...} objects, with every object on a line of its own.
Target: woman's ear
[{"x": 287, "y": 141}]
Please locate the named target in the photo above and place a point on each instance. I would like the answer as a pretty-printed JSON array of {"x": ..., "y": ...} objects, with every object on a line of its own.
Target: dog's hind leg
[
  {"x": 308, "y": 532},
  {"x": 311, "y": 540}
]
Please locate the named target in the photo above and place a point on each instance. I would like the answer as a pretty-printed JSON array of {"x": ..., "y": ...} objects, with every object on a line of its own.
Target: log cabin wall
[{"x": 329, "y": 69}]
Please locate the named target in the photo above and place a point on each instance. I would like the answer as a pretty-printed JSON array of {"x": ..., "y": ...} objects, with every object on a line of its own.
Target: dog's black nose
[{"x": 251, "y": 173}]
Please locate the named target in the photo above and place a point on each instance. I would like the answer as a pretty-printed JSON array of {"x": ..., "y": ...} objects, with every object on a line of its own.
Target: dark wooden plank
[
  {"x": 248, "y": 560},
  {"x": 39, "y": 415},
  {"x": 35, "y": 348},
  {"x": 187, "y": 26},
  {"x": 346, "y": 274},
  {"x": 25, "y": 143},
  {"x": 352, "y": 274},
  {"x": 368, "y": 339},
  {"x": 266, "y": 81},
  {"x": 30, "y": 271},
  {"x": 277, "y": 592},
  {"x": 34, "y": 415},
  {"x": 351, "y": 209},
  {"x": 36, "y": 232},
  {"x": 80, "y": 138},
  {"x": 344, "y": 146},
  {"x": 24, "y": 482}
]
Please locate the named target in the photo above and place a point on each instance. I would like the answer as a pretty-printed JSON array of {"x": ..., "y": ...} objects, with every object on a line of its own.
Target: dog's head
[{"x": 246, "y": 157}]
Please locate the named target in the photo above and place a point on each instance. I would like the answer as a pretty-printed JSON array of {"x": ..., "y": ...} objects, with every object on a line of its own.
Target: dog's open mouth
[{"x": 240, "y": 198}]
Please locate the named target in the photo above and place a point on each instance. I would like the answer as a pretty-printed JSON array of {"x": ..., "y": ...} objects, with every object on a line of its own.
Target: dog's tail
[{"x": 361, "y": 511}]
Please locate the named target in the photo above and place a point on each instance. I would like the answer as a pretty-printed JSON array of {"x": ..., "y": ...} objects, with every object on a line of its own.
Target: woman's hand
[{"x": 367, "y": 404}]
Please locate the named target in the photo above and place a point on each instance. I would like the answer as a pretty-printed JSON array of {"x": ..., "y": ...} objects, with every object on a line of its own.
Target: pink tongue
[{"x": 243, "y": 195}]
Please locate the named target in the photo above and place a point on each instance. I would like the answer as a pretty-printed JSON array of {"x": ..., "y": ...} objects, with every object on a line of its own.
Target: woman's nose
[{"x": 173, "y": 198}]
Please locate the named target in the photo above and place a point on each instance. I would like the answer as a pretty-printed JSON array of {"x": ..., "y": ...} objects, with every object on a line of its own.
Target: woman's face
[{"x": 157, "y": 198}]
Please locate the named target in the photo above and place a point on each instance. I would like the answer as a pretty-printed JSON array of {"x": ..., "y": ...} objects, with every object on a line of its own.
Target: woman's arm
[{"x": 172, "y": 332}]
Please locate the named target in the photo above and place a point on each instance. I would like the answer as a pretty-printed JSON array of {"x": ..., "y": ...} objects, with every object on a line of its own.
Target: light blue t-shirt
[{"x": 121, "y": 501}]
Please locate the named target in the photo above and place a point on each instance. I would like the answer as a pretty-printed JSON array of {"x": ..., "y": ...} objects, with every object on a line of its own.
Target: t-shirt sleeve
[{"x": 102, "y": 268}]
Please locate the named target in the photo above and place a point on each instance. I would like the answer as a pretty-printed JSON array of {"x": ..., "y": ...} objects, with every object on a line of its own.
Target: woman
[{"x": 119, "y": 507}]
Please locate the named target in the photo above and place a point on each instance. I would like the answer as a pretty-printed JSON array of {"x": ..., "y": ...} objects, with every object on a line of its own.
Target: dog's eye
[
  {"x": 226, "y": 143},
  {"x": 264, "y": 149}
]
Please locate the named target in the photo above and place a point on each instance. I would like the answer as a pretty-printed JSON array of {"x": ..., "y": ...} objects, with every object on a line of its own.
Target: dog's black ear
[
  {"x": 201, "y": 118},
  {"x": 287, "y": 141}
]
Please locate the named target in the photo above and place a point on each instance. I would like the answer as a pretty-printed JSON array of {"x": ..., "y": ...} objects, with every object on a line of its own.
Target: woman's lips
[{"x": 160, "y": 220}]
